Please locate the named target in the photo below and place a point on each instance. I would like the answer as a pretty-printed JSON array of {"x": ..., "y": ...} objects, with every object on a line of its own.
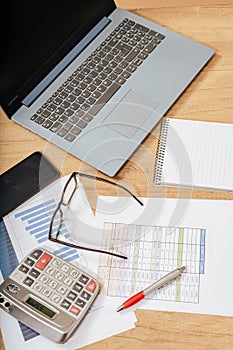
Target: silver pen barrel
[{"x": 164, "y": 280}]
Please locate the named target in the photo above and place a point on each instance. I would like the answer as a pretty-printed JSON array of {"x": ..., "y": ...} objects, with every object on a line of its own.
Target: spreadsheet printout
[{"x": 152, "y": 252}]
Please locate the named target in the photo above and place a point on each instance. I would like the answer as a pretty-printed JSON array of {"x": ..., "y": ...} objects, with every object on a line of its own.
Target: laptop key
[
  {"x": 132, "y": 55},
  {"x": 34, "y": 117},
  {"x": 62, "y": 119},
  {"x": 150, "y": 47},
  {"x": 82, "y": 124},
  {"x": 55, "y": 127},
  {"x": 76, "y": 131},
  {"x": 104, "y": 98},
  {"x": 62, "y": 132},
  {"x": 69, "y": 137},
  {"x": 47, "y": 124},
  {"x": 39, "y": 120},
  {"x": 87, "y": 117}
]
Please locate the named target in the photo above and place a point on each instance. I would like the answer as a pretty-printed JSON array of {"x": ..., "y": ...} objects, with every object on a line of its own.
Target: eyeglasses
[{"x": 68, "y": 192}]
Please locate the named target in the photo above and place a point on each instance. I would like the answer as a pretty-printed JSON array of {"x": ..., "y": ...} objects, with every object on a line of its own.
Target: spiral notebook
[{"x": 195, "y": 154}]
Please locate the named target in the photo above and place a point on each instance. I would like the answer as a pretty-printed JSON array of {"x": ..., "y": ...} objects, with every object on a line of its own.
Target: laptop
[{"x": 91, "y": 78}]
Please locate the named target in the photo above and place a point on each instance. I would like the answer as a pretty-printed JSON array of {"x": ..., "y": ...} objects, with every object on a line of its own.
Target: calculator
[{"x": 48, "y": 294}]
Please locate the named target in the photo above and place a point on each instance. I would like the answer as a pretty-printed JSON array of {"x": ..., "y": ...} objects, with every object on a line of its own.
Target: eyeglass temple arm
[{"x": 111, "y": 183}]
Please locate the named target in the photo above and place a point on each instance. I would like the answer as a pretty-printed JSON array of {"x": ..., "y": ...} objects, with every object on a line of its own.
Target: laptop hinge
[{"x": 33, "y": 95}]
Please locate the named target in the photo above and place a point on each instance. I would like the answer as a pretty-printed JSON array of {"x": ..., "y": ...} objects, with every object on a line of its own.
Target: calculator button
[
  {"x": 80, "y": 303},
  {"x": 72, "y": 296},
  {"x": 34, "y": 273},
  {"x": 74, "y": 273},
  {"x": 29, "y": 262},
  {"x": 28, "y": 281},
  {"x": 85, "y": 295},
  {"x": 68, "y": 281},
  {"x": 47, "y": 292},
  {"x": 44, "y": 278},
  {"x": 43, "y": 261},
  {"x": 74, "y": 310},
  {"x": 83, "y": 279},
  {"x": 24, "y": 269},
  {"x": 62, "y": 289},
  {"x": 77, "y": 287},
  {"x": 36, "y": 254},
  {"x": 38, "y": 287},
  {"x": 59, "y": 276},
  {"x": 65, "y": 268},
  {"x": 91, "y": 286},
  {"x": 53, "y": 284},
  {"x": 66, "y": 304},
  {"x": 56, "y": 298},
  {"x": 50, "y": 270},
  {"x": 18, "y": 277},
  {"x": 56, "y": 263}
]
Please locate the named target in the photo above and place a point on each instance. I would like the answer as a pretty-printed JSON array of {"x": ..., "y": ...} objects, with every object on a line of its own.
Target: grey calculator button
[
  {"x": 59, "y": 276},
  {"x": 61, "y": 289},
  {"x": 36, "y": 254},
  {"x": 47, "y": 292},
  {"x": 68, "y": 281},
  {"x": 56, "y": 263},
  {"x": 85, "y": 295},
  {"x": 53, "y": 284},
  {"x": 28, "y": 281},
  {"x": 24, "y": 269},
  {"x": 18, "y": 277},
  {"x": 44, "y": 278},
  {"x": 65, "y": 268},
  {"x": 74, "y": 273},
  {"x": 80, "y": 303},
  {"x": 34, "y": 273},
  {"x": 72, "y": 296},
  {"x": 29, "y": 262},
  {"x": 66, "y": 304},
  {"x": 83, "y": 279},
  {"x": 50, "y": 271},
  {"x": 77, "y": 287},
  {"x": 38, "y": 287},
  {"x": 56, "y": 298}
]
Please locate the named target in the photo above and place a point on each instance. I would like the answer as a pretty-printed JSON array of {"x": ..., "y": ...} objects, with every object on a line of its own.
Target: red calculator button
[
  {"x": 74, "y": 310},
  {"x": 43, "y": 261},
  {"x": 91, "y": 286}
]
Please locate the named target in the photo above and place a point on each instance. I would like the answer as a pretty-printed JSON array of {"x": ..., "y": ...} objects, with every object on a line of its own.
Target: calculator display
[{"x": 40, "y": 307}]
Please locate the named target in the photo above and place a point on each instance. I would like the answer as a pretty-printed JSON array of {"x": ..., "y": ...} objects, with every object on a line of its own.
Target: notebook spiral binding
[{"x": 159, "y": 158}]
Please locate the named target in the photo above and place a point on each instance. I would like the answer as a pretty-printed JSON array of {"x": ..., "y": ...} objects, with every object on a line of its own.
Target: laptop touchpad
[{"x": 128, "y": 115}]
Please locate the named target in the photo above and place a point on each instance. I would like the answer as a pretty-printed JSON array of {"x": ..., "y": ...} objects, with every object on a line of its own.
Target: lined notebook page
[{"x": 195, "y": 154}]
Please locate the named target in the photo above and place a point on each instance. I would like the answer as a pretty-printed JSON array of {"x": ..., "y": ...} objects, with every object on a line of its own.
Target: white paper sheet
[
  {"x": 215, "y": 217},
  {"x": 28, "y": 228}
]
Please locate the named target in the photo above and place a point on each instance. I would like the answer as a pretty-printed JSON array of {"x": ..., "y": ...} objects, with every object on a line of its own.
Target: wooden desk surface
[{"x": 208, "y": 98}]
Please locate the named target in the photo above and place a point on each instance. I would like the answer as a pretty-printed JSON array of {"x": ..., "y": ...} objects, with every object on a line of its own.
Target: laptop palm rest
[{"x": 129, "y": 115}]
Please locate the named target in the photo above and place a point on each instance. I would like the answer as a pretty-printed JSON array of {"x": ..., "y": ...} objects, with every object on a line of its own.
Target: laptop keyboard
[{"x": 76, "y": 102}]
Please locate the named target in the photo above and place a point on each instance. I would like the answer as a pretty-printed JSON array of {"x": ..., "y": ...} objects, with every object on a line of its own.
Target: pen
[{"x": 168, "y": 278}]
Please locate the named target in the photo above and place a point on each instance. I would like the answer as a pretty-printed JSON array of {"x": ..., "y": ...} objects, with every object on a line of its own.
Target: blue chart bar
[{"x": 37, "y": 220}]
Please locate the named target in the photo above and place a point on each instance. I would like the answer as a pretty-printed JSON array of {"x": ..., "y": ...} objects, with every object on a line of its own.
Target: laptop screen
[{"x": 37, "y": 35}]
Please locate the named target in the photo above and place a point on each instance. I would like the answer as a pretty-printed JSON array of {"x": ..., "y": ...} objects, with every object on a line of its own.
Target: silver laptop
[{"x": 92, "y": 78}]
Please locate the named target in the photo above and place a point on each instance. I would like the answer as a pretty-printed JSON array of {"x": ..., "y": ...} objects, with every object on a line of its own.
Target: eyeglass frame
[{"x": 61, "y": 202}]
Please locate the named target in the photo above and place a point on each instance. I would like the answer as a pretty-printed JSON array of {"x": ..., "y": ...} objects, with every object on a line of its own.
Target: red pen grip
[{"x": 133, "y": 300}]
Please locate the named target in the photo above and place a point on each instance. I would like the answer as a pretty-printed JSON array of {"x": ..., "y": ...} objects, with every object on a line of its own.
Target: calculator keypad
[{"x": 54, "y": 279}]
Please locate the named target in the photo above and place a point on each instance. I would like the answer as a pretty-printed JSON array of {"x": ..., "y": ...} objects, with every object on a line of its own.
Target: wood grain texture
[{"x": 209, "y": 97}]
